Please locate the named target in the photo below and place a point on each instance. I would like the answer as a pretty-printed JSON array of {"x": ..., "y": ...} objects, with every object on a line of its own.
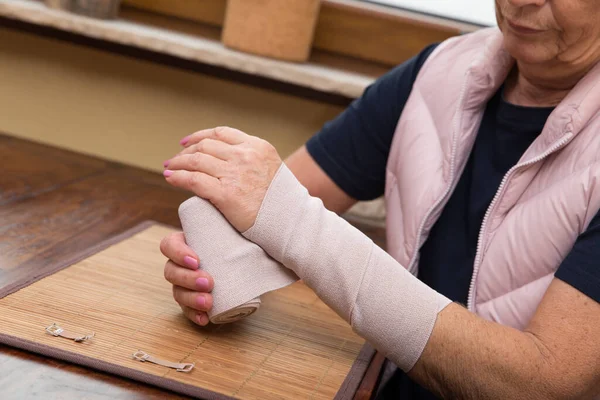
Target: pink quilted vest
[{"x": 543, "y": 203}]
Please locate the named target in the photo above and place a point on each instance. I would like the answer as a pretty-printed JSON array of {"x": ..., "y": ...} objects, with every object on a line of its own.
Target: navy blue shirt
[{"x": 353, "y": 150}]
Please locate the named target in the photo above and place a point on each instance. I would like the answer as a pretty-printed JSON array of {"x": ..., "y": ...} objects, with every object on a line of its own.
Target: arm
[
  {"x": 318, "y": 183},
  {"x": 443, "y": 346},
  {"x": 447, "y": 349},
  {"x": 556, "y": 357},
  {"x": 343, "y": 163},
  {"x": 346, "y": 160}
]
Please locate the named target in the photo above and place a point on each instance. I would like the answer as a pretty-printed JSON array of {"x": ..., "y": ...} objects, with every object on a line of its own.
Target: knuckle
[
  {"x": 266, "y": 147},
  {"x": 256, "y": 156},
  {"x": 258, "y": 153},
  {"x": 186, "y": 311},
  {"x": 163, "y": 245},
  {"x": 175, "y": 247},
  {"x": 191, "y": 315},
  {"x": 192, "y": 180},
  {"x": 179, "y": 256},
  {"x": 166, "y": 244},
  {"x": 170, "y": 272},
  {"x": 271, "y": 150},
  {"x": 191, "y": 150},
  {"x": 219, "y": 132},
  {"x": 179, "y": 295},
  {"x": 196, "y": 160},
  {"x": 238, "y": 151},
  {"x": 247, "y": 155},
  {"x": 209, "y": 146},
  {"x": 167, "y": 272}
]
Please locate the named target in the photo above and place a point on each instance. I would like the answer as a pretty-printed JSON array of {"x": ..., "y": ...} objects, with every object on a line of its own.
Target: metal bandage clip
[
  {"x": 180, "y": 367},
  {"x": 56, "y": 330}
]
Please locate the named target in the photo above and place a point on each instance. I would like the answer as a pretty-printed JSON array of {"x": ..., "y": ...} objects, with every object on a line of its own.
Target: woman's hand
[
  {"x": 191, "y": 286},
  {"x": 229, "y": 168}
]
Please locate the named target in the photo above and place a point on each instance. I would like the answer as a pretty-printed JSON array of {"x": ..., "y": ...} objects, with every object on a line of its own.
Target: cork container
[{"x": 281, "y": 29}]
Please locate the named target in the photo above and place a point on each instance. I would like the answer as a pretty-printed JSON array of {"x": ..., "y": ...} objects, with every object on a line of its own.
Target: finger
[
  {"x": 198, "y": 162},
  {"x": 203, "y": 185},
  {"x": 190, "y": 298},
  {"x": 215, "y": 148},
  {"x": 198, "y": 280},
  {"x": 197, "y": 317},
  {"x": 221, "y": 133},
  {"x": 175, "y": 249}
]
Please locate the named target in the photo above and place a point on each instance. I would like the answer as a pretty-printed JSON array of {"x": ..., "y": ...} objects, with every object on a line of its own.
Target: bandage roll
[{"x": 241, "y": 270}]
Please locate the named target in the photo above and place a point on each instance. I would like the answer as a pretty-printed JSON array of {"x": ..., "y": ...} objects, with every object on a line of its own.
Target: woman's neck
[
  {"x": 541, "y": 86},
  {"x": 521, "y": 90}
]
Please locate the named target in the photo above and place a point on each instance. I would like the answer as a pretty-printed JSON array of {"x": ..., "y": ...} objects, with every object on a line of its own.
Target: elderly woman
[{"x": 487, "y": 147}]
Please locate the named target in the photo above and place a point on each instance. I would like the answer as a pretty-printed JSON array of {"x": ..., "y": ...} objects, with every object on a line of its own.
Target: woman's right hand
[{"x": 191, "y": 286}]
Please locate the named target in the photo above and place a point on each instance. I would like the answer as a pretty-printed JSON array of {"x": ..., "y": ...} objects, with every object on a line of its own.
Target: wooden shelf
[
  {"x": 355, "y": 28},
  {"x": 192, "y": 46},
  {"x": 354, "y": 44}
]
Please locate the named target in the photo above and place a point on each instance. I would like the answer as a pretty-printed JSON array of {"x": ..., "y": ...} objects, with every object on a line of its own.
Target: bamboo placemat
[{"x": 293, "y": 347}]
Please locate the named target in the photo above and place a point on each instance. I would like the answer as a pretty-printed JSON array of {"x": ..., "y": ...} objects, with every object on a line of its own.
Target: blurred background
[{"x": 126, "y": 80}]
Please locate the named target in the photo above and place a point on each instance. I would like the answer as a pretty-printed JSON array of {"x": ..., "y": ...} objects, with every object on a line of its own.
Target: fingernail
[
  {"x": 166, "y": 163},
  {"x": 167, "y": 173},
  {"x": 202, "y": 319},
  {"x": 184, "y": 140},
  {"x": 201, "y": 301},
  {"x": 202, "y": 284},
  {"x": 190, "y": 262}
]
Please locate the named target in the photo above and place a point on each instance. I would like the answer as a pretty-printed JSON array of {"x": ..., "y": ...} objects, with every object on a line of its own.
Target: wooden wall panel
[
  {"x": 210, "y": 12},
  {"x": 374, "y": 35}
]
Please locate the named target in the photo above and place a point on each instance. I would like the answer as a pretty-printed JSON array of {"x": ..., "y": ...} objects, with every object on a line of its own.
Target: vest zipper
[
  {"x": 480, "y": 240},
  {"x": 456, "y": 123}
]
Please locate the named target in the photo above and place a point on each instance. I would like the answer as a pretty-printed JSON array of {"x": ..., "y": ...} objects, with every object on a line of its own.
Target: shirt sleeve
[
  {"x": 353, "y": 148},
  {"x": 581, "y": 267}
]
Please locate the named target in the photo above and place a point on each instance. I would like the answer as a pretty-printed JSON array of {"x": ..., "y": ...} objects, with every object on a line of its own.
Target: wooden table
[{"x": 53, "y": 203}]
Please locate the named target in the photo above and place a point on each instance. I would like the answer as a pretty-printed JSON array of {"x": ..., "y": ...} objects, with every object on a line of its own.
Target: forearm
[
  {"x": 356, "y": 278},
  {"x": 457, "y": 354},
  {"x": 468, "y": 357}
]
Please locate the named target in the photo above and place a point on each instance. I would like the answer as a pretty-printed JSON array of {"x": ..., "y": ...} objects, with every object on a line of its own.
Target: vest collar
[{"x": 490, "y": 69}]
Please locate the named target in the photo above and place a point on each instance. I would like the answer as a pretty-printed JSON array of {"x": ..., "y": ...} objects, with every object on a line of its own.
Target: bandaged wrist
[{"x": 382, "y": 301}]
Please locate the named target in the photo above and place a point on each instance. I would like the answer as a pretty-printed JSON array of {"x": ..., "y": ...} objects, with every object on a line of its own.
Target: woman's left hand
[{"x": 229, "y": 168}]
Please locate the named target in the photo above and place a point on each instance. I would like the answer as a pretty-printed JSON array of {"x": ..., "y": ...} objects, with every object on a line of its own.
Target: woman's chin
[{"x": 526, "y": 51}]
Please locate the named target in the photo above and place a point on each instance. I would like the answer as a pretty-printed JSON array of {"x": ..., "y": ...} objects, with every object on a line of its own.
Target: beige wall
[{"x": 133, "y": 111}]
